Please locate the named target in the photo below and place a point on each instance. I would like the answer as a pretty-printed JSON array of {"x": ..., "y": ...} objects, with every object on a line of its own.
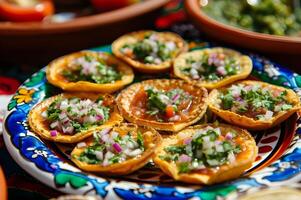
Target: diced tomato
[
  {"x": 221, "y": 56},
  {"x": 19, "y": 13},
  {"x": 169, "y": 111},
  {"x": 221, "y": 138}
]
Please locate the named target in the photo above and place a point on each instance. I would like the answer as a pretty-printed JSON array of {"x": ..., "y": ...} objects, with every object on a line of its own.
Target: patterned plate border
[{"x": 37, "y": 159}]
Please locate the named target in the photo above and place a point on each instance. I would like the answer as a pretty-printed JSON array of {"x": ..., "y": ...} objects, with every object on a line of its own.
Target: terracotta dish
[
  {"x": 39, "y": 42},
  {"x": 242, "y": 38},
  {"x": 3, "y": 189}
]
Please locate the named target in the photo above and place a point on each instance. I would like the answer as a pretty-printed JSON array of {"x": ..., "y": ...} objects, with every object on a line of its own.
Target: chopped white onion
[
  {"x": 64, "y": 105},
  {"x": 231, "y": 157},
  {"x": 213, "y": 162},
  {"x": 164, "y": 99},
  {"x": 54, "y": 124},
  {"x": 109, "y": 155},
  {"x": 105, "y": 131},
  {"x": 219, "y": 148},
  {"x": 81, "y": 145},
  {"x": 99, "y": 155},
  {"x": 114, "y": 134},
  {"x": 62, "y": 115},
  {"x": 197, "y": 65},
  {"x": 175, "y": 118},
  {"x": 135, "y": 153},
  {"x": 193, "y": 72},
  {"x": 206, "y": 139},
  {"x": 171, "y": 45},
  {"x": 68, "y": 130},
  {"x": 105, "y": 138},
  {"x": 221, "y": 71},
  {"x": 44, "y": 114},
  {"x": 268, "y": 115},
  {"x": 130, "y": 145}
]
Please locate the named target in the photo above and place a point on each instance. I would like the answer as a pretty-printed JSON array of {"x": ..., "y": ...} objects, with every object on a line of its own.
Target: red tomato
[
  {"x": 169, "y": 111},
  {"x": 17, "y": 13},
  {"x": 8, "y": 85}
]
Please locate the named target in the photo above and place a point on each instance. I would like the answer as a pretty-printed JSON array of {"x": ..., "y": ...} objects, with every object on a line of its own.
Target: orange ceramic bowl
[
  {"x": 265, "y": 43},
  {"x": 39, "y": 42},
  {"x": 3, "y": 189}
]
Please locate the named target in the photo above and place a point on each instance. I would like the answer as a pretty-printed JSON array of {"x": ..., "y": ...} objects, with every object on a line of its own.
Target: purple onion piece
[
  {"x": 228, "y": 136},
  {"x": 117, "y": 147},
  {"x": 105, "y": 131},
  {"x": 53, "y": 133},
  {"x": 176, "y": 97},
  {"x": 99, "y": 117},
  {"x": 187, "y": 140},
  {"x": 184, "y": 158}
]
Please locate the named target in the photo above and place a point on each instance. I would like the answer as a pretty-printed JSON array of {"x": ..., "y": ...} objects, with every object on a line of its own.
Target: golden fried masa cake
[
  {"x": 206, "y": 154},
  {"x": 116, "y": 150},
  {"x": 254, "y": 105},
  {"x": 71, "y": 117},
  {"x": 163, "y": 104},
  {"x": 149, "y": 51},
  {"x": 89, "y": 71},
  {"x": 212, "y": 67}
]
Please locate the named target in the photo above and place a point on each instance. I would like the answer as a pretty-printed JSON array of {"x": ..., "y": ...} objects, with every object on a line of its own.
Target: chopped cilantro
[
  {"x": 115, "y": 158},
  {"x": 286, "y": 107},
  {"x": 75, "y": 119},
  {"x": 99, "y": 147},
  {"x": 254, "y": 102},
  {"x": 183, "y": 167},
  {"x": 149, "y": 50},
  {"x": 88, "y": 155},
  {"x": 158, "y": 100},
  {"x": 202, "y": 151},
  {"x": 227, "y": 101},
  {"x": 207, "y": 70},
  {"x": 175, "y": 149},
  {"x": 140, "y": 140},
  {"x": 101, "y": 73},
  {"x": 154, "y": 101}
]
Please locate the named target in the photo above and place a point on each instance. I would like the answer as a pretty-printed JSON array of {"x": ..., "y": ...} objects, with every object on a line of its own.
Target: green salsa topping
[
  {"x": 206, "y": 148},
  {"x": 254, "y": 101},
  {"x": 212, "y": 67},
  {"x": 266, "y": 16},
  {"x": 150, "y": 50},
  {"x": 95, "y": 70}
]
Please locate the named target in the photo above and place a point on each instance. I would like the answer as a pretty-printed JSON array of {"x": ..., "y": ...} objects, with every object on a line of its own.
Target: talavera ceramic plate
[{"x": 278, "y": 162}]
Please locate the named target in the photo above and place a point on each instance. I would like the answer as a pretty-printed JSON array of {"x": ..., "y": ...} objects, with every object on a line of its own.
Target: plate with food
[
  {"x": 268, "y": 26},
  {"x": 212, "y": 123}
]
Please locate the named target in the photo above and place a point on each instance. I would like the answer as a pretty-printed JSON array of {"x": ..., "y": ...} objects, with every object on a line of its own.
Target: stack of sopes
[{"x": 93, "y": 119}]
